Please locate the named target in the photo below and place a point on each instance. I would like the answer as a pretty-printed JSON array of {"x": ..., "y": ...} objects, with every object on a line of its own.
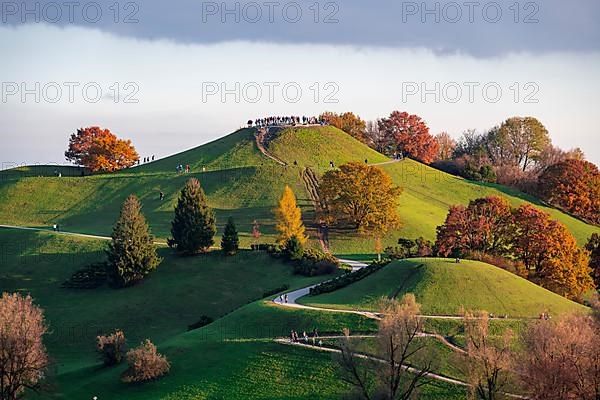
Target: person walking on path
[
  {"x": 161, "y": 196},
  {"x": 285, "y": 298}
]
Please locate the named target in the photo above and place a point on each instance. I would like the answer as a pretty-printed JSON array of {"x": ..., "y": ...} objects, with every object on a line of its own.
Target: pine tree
[
  {"x": 289, "y": 219},
  {"x": 194, "y": 225},
  {"x": 230, "y": 242},
  {"x": 132, "y": 252}
]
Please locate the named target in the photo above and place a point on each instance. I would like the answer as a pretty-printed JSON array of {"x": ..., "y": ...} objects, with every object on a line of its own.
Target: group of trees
[
  {"x": 399, "y": 134},
  {"x": 549, "y": 360},
  {"x": 544, "y": 246},
  {"x": 132, "y": 253},
  {"x": 100, "y": 150}
]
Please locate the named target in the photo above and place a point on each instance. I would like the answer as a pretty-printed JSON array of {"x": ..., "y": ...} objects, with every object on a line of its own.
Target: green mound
[
  {"x": 443, "y": 287},
  {"x": 315, "y": 147}
]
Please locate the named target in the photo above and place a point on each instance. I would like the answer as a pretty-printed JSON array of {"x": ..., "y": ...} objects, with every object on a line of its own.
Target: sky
[{"x": 174, "y": 75}]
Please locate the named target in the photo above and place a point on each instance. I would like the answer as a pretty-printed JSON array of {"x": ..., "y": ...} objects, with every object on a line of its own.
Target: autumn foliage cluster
[
  {"x": 100, "y": 150},
  {"x": 526, "y": 234},
  {"x": 574, "y": 186}
]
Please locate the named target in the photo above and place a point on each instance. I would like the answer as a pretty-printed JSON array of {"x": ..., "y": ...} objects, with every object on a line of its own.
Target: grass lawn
[{"x": 443, "y": 287}]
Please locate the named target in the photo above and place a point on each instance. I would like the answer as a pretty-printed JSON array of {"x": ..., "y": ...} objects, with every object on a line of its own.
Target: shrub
[
  {"x": 89, "y": 277},
  {"x": 293, "y": 248},
  {"x": 347, "y": 279},
  {"x": 112, "y": 348},
  {"x": 203, "y": 321},
  {"x": 145, "y": 364},
  {"x": 315, "y": 262}
]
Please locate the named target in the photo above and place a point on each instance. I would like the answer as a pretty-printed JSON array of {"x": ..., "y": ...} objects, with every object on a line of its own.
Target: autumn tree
[
  {"x": 363, "y": 195},
  {"x": 573, "y": 185},
  {"x": 398, "y": 346},
  {"x": 446, "y": 146},
  {"x": 100, "y": 150},
  {"x": 347, "y": 122},
  {"x": 593, "y": 246},
  {"x": 518, "y": 141},
  {"x": 194, "y": 226},
  {"x": 23, "y": 358},
  {"x": 230, "y": 242},
  {"x": 131, "y": 252},
  {"x": 145, "y": 364},
  {"x": 112, "y": 348},
  {"x": 410, "y": 136},
  {"x": 289, "y": 219},
  {"x": 560, "y": 359},
  {"x": 488, "y": 361},
  {"x": 484, "y": 225}
]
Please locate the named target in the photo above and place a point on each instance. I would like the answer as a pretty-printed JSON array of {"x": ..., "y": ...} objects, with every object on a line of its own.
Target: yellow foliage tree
[{"x": 289, "y": 218}]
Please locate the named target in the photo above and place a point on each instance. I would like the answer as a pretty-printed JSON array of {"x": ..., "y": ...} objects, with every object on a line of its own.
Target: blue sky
[{"x": 170, "y": 62}]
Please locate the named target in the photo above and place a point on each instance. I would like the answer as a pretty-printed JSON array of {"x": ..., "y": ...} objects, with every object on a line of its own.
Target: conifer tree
[
  {"x": 289, "y": 219},
  {"x": 194, "y": 226},
  {"x": 132, "y": 252},
  {"x": 230, "y": 242}
]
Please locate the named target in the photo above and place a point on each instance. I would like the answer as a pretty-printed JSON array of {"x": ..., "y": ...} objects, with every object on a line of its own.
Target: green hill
[
  {"x": 241, "y": 182},
  {"x": 443, "y": 287}
]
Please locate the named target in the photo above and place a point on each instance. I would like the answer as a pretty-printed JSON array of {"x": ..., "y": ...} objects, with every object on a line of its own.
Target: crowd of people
[{"x": 284, "y": 121}]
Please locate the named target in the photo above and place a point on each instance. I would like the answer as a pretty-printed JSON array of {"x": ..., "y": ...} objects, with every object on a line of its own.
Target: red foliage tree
[
  {"x": 573, "y": 185},
  {"x": 484, "y": 225},
  {"x": 100, "y": 150},
  {"x": 410, "y": 135}
]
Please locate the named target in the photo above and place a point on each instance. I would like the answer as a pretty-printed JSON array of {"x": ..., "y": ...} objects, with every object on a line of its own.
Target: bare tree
[
  {"x": 23, "y": 359},
  {"x": 487, "y": 363},
  {"x": 561, "y": 359},
  {"x": 397, "y": 341}
]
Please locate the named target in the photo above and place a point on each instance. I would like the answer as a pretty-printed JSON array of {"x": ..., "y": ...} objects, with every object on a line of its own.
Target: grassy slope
[
  {"x": 315, "y": 147},
  {"x": 241, "y": 182},
  {"x": 176, "y": 295},
  {"x": 442, "y": 287},
  {"x": 236, "y": 348}
]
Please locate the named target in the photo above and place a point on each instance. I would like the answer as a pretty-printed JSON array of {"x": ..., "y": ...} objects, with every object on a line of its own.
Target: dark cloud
[{"x": 479, "y": 28}]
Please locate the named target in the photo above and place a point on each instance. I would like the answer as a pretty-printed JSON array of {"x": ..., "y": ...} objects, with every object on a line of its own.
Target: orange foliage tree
[
  {"x": 410, "y": 135},
  {"x": 573, "y": 185},
  {"x": 100, "y": 150},
  {"x": 348, "y": 122},
  {"x": 593, "y": 246},
  {"x": 446, "y": 146}
]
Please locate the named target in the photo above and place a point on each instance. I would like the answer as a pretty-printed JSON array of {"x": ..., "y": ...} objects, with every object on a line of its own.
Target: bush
[
  {"x": 315, "y": 262},
  {"x": 347, "y": 279},
  {"x": 408, "y": 248},
  {"x": 272, "y": 292},
  {"x": 145, "y": 364},
  {"x": 203, "y": 321},
  {"x": 89, "y": 277},
  {"x": 294, "y": 249},
  {"x": 112, "y": 348}
]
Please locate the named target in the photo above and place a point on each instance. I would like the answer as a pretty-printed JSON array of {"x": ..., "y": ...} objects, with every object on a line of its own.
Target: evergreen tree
[
  {"x": 289, "y": 219},
  {"x": 194, "y": 225},
  {"x": 294, "y": 248},
  {"x": 230, "y": 242},
  {"x": 131, "y": 253}
]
